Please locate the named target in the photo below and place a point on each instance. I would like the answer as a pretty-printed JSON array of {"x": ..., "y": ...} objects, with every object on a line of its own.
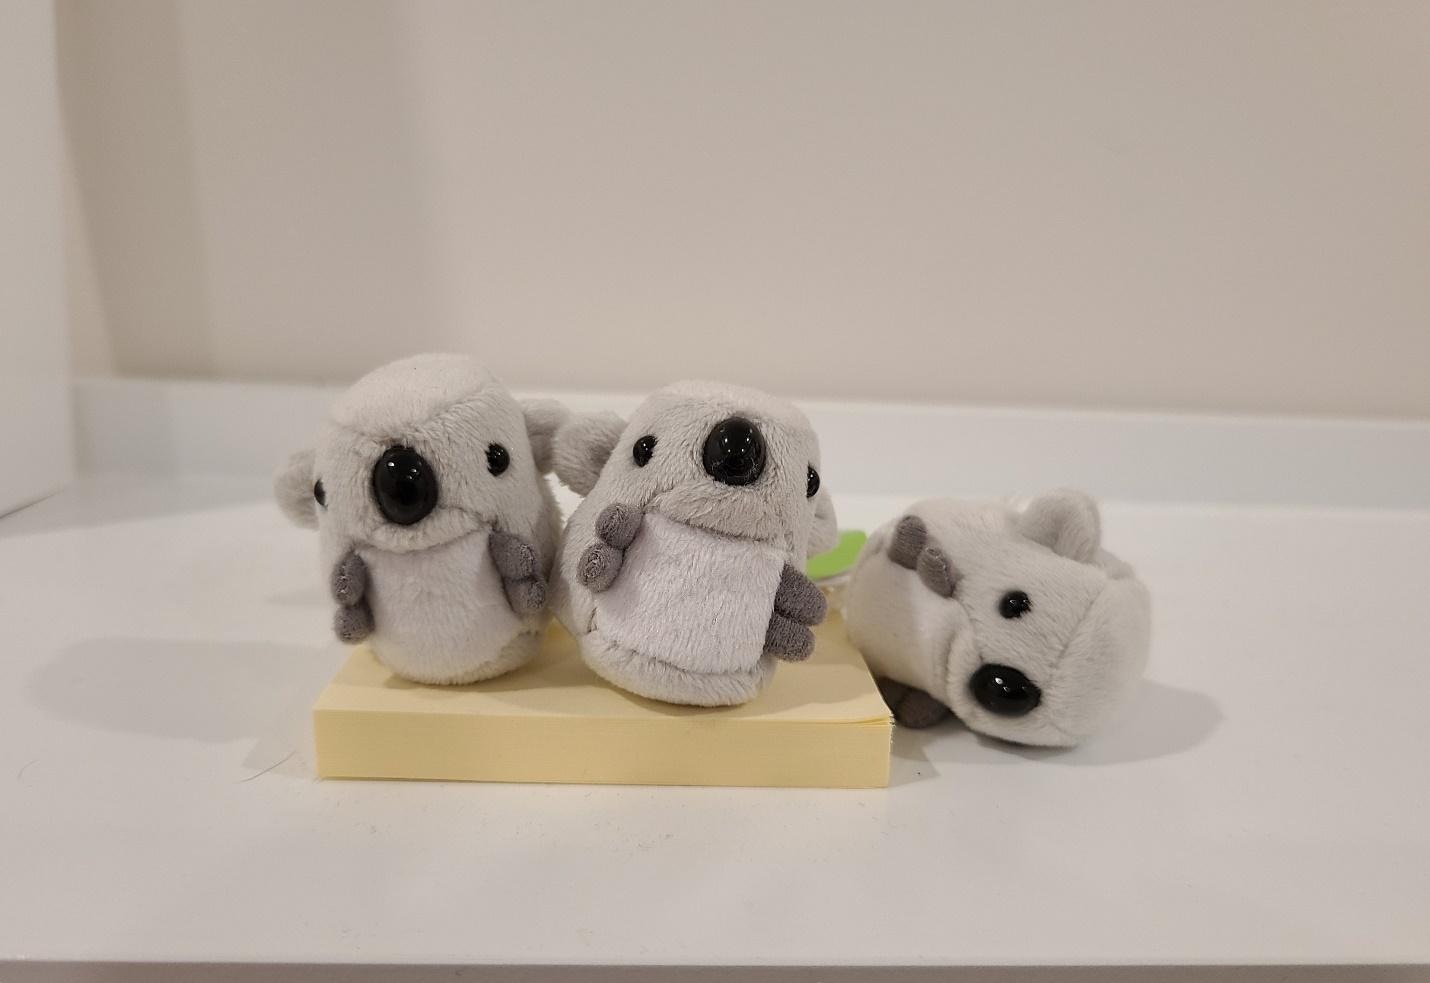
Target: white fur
[
  {"x": 1084, "y": 643},
  {"x": 702, "y": 598},
  {"x": 440, "y": 612},
  {"x": 729, "y": 533},
  {"x": 441, "y": 615}
]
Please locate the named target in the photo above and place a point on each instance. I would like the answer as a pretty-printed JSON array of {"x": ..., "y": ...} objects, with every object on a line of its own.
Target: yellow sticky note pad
[{"x": 819, "y": 723}]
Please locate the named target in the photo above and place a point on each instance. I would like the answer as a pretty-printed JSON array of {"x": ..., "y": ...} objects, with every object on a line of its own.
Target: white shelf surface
[{"x": 1264, "y": 802}]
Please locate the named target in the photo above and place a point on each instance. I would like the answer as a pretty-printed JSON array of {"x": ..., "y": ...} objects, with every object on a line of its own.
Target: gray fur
[
  {"x": 798, "y": 598},
  {"x": 770, "y": 518},
  {"x": 891, "y": 690},
  {"x": 293, "y": 489},
  {"x": 936, "y": 572},
  {"x": 911, "y": 707},
  {"x": 352, "y": 623},
  {"x": 599, "y": 566},
  {"x": 349, "y": 580},
  {"x": 908, "y": 542},
  {"x": 618, "y": 524},
  {"x": 1066, "y": 522},
  {"x": 526, "y": 597},
  {"x": 616, "y": 528},
  {"x": 824, "y": 531},
  {"x": 428, "y": 588},
  {"x": 916, "y": 710},
  {"x": 581, "y": 446},
  {"x": 520, "y": 570},
  {"x": 543, "y": 418},
  {"x": 787, "y": 639},
  {"x": 1083, "y": 643},
  {"x": 514, "y": 556}
]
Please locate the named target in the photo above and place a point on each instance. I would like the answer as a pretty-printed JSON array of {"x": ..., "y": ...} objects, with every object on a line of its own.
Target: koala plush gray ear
[
  {"x": 1066, "y": 522},
  {"x": 824, "y": 534},
  {"x": 543, "y": 418},
  {"x": 293, "y": 488},
  {"x": 582, "y": 444}
]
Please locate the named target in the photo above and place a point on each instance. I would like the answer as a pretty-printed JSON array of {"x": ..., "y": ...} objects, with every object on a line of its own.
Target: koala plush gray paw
[
  {"x": 908, "y": 541},
  {"x": 353, "y": 623},
  {"x": 515, "y": 560},
  {"x": 616, "y": 528},
  {"x": 797, "y": 597},
  {"x": 599, "y": 566},
  {"x": 788, "y": 640},
  {"x": 798, "y": 605},
  {"x": 349, "y": 580},
  {"x": 617, "y": 525},
  {"x": 526, "y": 596},
  {"x": 890, "y": 690},
  {"x": 348, "y": 584},
  {"x": 910, "y": 549},
  {"x": 911, "y": 707},
  {"x": 936, "y": 571}
]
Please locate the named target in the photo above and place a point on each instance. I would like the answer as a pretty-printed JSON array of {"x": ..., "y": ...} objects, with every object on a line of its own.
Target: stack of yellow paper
[{"x": 820, "y": 723}]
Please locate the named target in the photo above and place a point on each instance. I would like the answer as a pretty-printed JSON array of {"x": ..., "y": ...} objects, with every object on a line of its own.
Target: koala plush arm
[
  {"x": 911, "y": 707},
  {"x": 515, "y": 559},
  {"x": 798, "y": 604},
  {"x": 910, "y": 548},
  {"x": 353, "y": 621},
  {"x": 616, "y": 529}
]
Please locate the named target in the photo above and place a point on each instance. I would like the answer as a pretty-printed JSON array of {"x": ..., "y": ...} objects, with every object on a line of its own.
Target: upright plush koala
[
  {"x": 681, "y": 574},
  {"x": 433, "y": 517},
  {"x": 1018, "y": 621}
]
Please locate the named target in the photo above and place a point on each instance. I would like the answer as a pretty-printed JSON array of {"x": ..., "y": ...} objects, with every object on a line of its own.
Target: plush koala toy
[
  {"x": 435, "y": 523},
  {"x": 1018, "y": 621},
  {"x": 681, "y": 574}
]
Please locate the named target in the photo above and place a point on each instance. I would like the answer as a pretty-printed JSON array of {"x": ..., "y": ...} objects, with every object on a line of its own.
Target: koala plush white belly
[
  {"x": 441, "y": 615},
  {"x": 686, "y": 620}
]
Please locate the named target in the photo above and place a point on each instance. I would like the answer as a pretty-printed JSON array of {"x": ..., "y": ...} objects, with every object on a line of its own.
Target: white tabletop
[{"x": 1264, "y": 802}]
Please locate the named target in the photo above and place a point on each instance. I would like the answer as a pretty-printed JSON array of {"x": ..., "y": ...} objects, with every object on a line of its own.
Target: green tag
[{"x": 838, "y": 560}]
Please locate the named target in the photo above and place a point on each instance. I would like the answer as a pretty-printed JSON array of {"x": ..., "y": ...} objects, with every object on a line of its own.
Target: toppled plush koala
[
  {"x": 681, "y": 574},
  {"x": 1018, "y": 621},
  {"x": 433, "y": 517}
]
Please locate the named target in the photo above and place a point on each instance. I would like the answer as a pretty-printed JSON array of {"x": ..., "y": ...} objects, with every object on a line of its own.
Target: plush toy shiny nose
[
  {"x": 735, "y": 452},
  {"x": 1005, "y": 691}
]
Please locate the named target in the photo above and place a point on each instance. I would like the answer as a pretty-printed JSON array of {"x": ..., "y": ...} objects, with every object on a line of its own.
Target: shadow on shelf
[
  {"x": 1162, "y": 721},
  {"x": 212, "y": 692}
]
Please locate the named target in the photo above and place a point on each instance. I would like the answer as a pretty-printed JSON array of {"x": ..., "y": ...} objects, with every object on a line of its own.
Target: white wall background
[
  {"x": 1208, "y": 205},
  {"x": 34, "y": 359}
]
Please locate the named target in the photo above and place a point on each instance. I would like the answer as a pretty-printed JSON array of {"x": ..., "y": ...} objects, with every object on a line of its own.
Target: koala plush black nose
[
  {"x": 404, "y": 485},
  {"x": 735, "y": 452},
  {"x": 1004, "y": 690}
]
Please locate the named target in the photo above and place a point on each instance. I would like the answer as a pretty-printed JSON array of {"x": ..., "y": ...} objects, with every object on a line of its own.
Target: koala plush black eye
[
  {"x": 1015, "y": 604},
  {"x": 319, "y": 495},
  {"x": 643, "y": 449},
  {"x": 811, "y": 487},
  {"x": 498, "y": 460},
  {"x": 404, "y": 486},
  {"x": 1005, "y": 691}
]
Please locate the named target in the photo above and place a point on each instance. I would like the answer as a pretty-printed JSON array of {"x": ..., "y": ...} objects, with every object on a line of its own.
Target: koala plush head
[
  {"x": 722, "y": 458},
  {"x": 420, "y": 452},
  {"x": 1017, "y": 620}
]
